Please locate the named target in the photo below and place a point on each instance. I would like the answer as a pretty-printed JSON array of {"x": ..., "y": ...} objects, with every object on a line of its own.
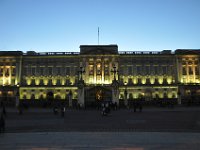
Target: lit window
[
  {"x": 190, "y": 71},
  {"x": 184, "y": 71}
]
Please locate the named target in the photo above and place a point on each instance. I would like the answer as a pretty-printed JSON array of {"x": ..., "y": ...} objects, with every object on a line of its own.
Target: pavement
[
  {"x": 99, "y": 141},
  {"x": 152, "y": 129},
  {"x": 179, "y": 119}
]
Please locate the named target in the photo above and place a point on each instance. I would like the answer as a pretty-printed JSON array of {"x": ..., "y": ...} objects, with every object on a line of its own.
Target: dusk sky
[{"x": 64, "y": 25}]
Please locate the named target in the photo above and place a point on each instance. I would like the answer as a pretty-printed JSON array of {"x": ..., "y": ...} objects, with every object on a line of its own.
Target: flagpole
[{"x": 98, "y": 35}]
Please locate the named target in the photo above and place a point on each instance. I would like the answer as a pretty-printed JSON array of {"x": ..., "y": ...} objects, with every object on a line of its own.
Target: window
[
  {"x": 190, "y": 71},
  {"x": 139, "y": 81},
  {"x": 67, "y": 82},
  {"x": 25, "y": 71},
  {"x": 148, "y": 81},
  {"x": 130, "y": 70},
  {"x": 7, "y": 72},
  {"x": 130, "y": 81},
  {"x": 121, "y": 70},
  {"x": 58, "y": 82},
  {"x": 156, "y": 70},
  {"x": 91, "y": 70},
  {"x": 184, "y": 72},
  {"x": 147, "y": 70},
  {"x": 98, "y": 69},
  {"x": 33, "y": 82},
  {"x": 106, "y": 70},
  {"x": 41, "y": 82},
  {"x": 50, "y": 82},
  {"x": 41, "y": 71},
  {"x": 58, "y": 70},
  {"x": 139, "y": 70},
  {"x": 50, "y": 70},
  {"x": 67, "y": 70},
  {"x": 13, "y": 71},
  {"x": 164, "y": 69},
  {"x": 165, "y": 95},
  {"x": 33, "y": 71},
  {"x": 196, "y": 70},
  {"x": 156, "y": 81},
  {"x": 28, "y": 71},
  {"x": 1, "y": 71}
]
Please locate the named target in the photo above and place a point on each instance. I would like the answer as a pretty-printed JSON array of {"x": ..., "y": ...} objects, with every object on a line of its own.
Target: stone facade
[{"x": 101, "y": 73}]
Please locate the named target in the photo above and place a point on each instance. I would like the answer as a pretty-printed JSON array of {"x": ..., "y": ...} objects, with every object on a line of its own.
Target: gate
[{"x": 94, "y": 96}]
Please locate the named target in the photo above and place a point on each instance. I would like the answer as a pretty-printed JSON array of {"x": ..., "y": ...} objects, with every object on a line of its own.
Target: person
[
  {"x": 17, "y": 99},
  {"x": 103, "y": 110},
  {"x": 2, "y": 123},
  {"x": 115, "y": 105},
  {"x": 140, "y": 104},
  {"x": 20, "y": 109},
  {"x": 62, "y": 111},
  {"x": 107, "y": 108},
  {"x": 55, "y": 110},
  {"x": 4, "y": 110},
  {"x": 135, "y": 105}
]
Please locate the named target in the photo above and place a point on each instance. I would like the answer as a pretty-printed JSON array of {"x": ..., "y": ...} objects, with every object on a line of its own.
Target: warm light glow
[
  {"x": 143, "y": 80},
  {"x": 160, "y": 80},
  {"x": 45, "y": 81},
  {"x": 152, "y": 80},
  {"x": 169, "y": 80},
  {"x": 37, "y": 81},
  {"x": 28, "y": 81},
  {"x": 134, "y": 80},
  {"x": 106, "y": 82},
  {"x": 62, "y": 82}
]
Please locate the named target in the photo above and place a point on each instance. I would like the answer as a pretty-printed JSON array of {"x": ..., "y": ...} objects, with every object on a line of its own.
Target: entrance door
[{"x": 96, "y": 95}]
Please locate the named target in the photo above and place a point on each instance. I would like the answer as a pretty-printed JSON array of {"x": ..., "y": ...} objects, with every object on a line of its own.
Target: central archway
[{"x": 96, "y": 95}]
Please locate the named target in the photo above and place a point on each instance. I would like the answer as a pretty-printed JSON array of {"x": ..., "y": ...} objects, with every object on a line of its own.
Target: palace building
[{"x": 100, "y": 73}]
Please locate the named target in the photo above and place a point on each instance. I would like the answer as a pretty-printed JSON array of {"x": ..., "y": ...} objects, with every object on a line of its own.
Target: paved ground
[
  {"x": 154, "y": 128},
  {"x": 151, "y": 119},
  {"x": 100, "y": 141}
]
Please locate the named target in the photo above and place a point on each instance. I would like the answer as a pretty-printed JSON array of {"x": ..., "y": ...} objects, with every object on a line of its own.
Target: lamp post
[
  {"x": 17, "y": 96},
  {"x": 81, "y": 84},
  {"x": 125, "y": 94},
  {"x": 115, "y": 86}
]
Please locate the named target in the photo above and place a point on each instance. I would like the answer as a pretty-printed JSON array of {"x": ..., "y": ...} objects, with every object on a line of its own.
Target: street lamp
[{"x": 125, "y": 94}]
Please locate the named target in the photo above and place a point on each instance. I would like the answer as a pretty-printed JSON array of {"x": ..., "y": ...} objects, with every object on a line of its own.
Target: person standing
[
  {"x": 63, "y": 111},
  {"x": 2, "y": 123},
  {"x": 17, "y": 99},
  {"x": 3, "y": 109}
]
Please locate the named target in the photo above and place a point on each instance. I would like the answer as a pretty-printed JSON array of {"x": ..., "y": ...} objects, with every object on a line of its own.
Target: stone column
[
  {"x": 115, "y": 96},
  {"x": 81, "y": 97},
  {"x": 180, "y": 93},
  {"x": 81, "y": 89},
  {"x": 115, "y": 92}
]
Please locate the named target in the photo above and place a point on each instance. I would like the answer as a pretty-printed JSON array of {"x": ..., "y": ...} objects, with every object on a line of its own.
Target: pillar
[{"x": 81, "y": 97}]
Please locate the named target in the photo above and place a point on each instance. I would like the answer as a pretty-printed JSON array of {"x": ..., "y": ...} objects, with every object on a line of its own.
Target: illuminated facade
[{"x": 100, "y": 73}]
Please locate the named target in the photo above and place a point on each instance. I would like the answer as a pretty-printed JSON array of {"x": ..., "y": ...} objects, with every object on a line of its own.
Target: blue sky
[{"x": 64, "y": 25}]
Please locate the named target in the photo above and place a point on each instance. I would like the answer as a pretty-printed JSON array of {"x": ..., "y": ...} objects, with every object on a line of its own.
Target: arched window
[
  {"x": 165, "y": 95},
  {"x": 41, "y": 97},
  {"x": 32, "y": 96}
]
